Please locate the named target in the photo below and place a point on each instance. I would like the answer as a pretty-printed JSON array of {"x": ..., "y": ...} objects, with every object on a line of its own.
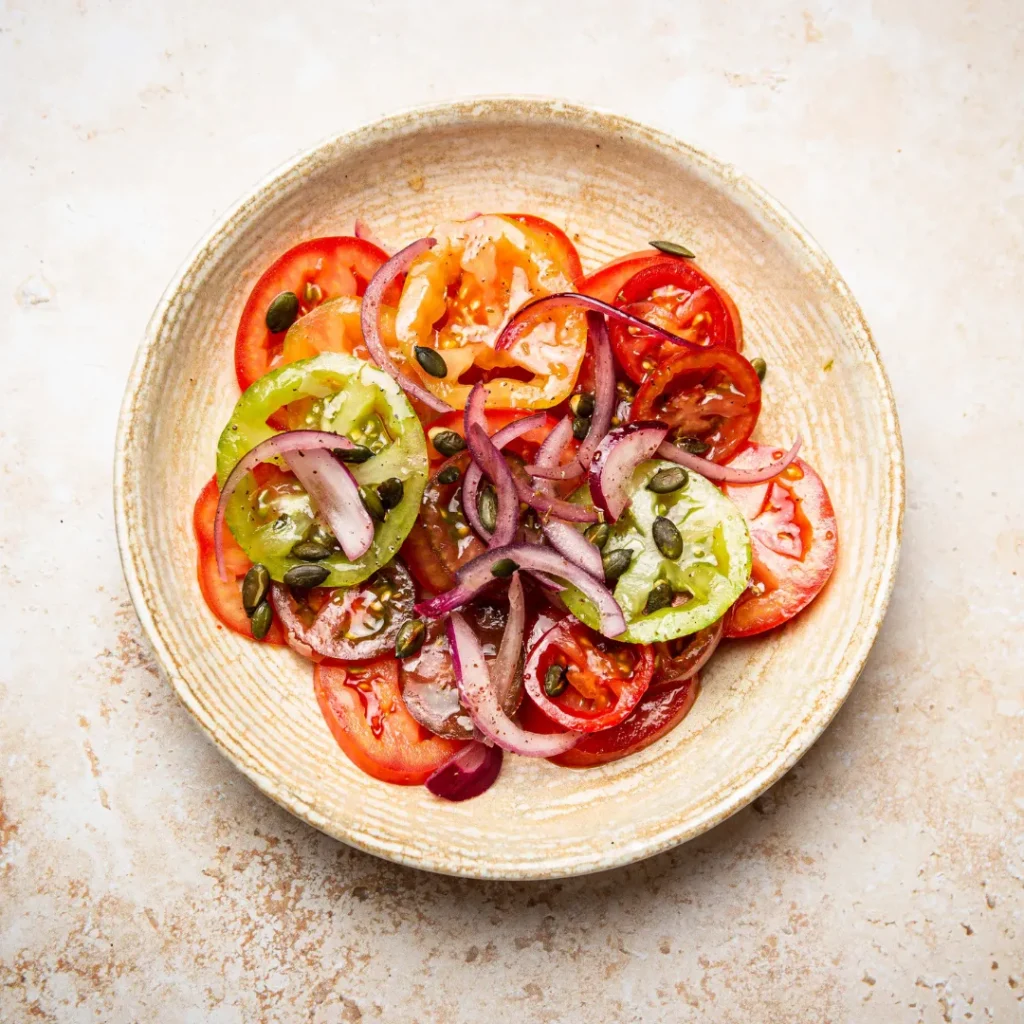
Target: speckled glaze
[{"x": 612, "y": 184}]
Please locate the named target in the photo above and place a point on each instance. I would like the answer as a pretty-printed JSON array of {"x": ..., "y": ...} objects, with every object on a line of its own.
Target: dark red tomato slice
[
  {"x": 441, "y": 541},
  {"x": 363, "y": 708},
  {"x": 317, "y": 270},
  {"x": 710, "y": 394},
  {"x": 557, "y": 239},
  {"x": 794, "y": 538},
  {"x": 223, "y": 597},
  {"x": 676, "y": 296},
  {"x": 525, "y": 446},
  {"x": 605, "y": 679},
  {"x": 677, "y": 660},
  {"x": 655, "y": 716}
]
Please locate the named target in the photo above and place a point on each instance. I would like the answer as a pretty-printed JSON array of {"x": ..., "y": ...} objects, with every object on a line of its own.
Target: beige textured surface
[{"x": 142, "y": 878}]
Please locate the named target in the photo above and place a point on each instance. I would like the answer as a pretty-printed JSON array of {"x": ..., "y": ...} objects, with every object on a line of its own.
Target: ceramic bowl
[{"x": 612, "y": 184}]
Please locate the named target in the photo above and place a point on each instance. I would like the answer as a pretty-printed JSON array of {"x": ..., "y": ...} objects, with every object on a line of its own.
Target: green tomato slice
[
  {"x": 349, "y": 397},
  {"x": 709, "y": 575}
]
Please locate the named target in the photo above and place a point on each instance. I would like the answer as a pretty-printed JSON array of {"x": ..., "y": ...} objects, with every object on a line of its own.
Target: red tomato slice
[
  {"x": 676, "y": 296},
  {"x": 363, "y": 707},
  {"x": 223, "y": 598},
  {"x": 557, "y": 239},
  {"x": 655, "y": 716},
  {"x": 317, "y": 270},
  {"x": 606, "y": 679},
  {"x": 794, "y": 538},
  {"x": 712, "y": 395}
]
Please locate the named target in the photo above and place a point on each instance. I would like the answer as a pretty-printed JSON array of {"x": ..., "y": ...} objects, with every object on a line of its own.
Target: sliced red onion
[
  {"x": 510, "y": 653},
  {"x": 370, "y": 320},
  {"x": 475, "y": 575},
  {"x": 548, "y": 465},
  {"x": 621, "y": 451},
  {"x": 573, "y": 300},
  {"x": 486, "y": 455},
  {"x": 470, "y": 772},
  {"x": 568, "y": 541},
  {"x": 363, "y": 231},
  {"x": 279, "y": 444},
  {"x": 335, "y": 494},
  {"x": 604, "y": 389},
  {"x": 474, "y": 475},
  {"x": 727, "y": 474},
  {"x": 557, "y": 507},
  {"x": 478, "y": 698}
]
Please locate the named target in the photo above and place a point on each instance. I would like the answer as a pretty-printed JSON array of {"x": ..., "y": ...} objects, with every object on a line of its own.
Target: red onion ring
[
  {"x": 604, "y": 389},
  {"x": 621, "y": 451},
  {"x": 471, "y": 771},
  {"x": 518, "y": 324},
  {"x": 556, "y": 507},
  {"x": 510, "y": 653},
  {"x": 335, "y": 494},
  {"x": 279, "y": 444},
  {"x": 363, "y": 231},
  {"x": 725, "y": 474},
  {"x": 548, "y": 465},
  {"x": 568, "y": 541},
  {"x": 488, "y": 458},
  {"x": 370, "y": 320},
  {"x": 478, "y": 698},
  {"x": 475, "y": 575}
]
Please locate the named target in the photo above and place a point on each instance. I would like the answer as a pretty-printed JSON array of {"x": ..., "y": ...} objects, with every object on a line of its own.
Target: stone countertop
[{"x": 143, "y": 879}]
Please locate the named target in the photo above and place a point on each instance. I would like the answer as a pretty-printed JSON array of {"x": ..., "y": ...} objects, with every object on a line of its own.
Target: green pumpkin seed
[
  {"x": 665, "y": 481},
  {"x": 598, "y": 534},
  {"x": 262, "y": 618},
  {"x": 660, "y": 597},
  {"x": 373, "y": 504},
  {"x": 580, "y": 427},
  {"x": 503, "y": 568},
  {"x": 487, "y": 507},
  {"x": 449, "y": 443},
  {"x": 431, "y": 361},
  {"x": 667, "y": 537},
  {"x": 693, "y": 445},
  {"x": 321, "y": 535},
  {"x": 616, "y": 562},
  {"x": 302, "y": 577},
  {"x": 448, "y": 475},
  {"x": 674, "y": 249},
  {"x": 391, "y": 492},
  {"x": 760, "y": 367},
  {"x": 254, "y": 588},
  {"x": 410, "y": 638},
  {"x": 582, "y": 404},
  {"x": 282, "y": 312},
  {"x": 360, "y": 453},
  {"x": 310, "y": 551},
  {"x": 555, "y": 681}
]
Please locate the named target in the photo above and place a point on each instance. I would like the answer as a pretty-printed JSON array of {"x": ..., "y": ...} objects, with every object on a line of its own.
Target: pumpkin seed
[
  {"x": 693, "y": 445},
  {"x": 503, "y": 568},
  {"x": 282, "y": 312},
  {"x": 667, "y": 537},
  {"x": 373, "y": 504},
  {"x": 555, "y": 681},
  {"x": 302, "y": 577},
  {"x": 760, "y": 367},
  {"x": 660, "y": 597},
  {"x": 310, "y": 551},
  {"x": 582, "y": 404},
  {"x": 597, "y": 534},
  {"x": 616, "y": 562},
  {"x": 665, "y": 481},
  {"x": 449, "y": 443},
  {"x": 431, "y": 361},
  {"x": 254, "y": 588},
  {"x": 360, "y": 453},
  {"x": 487, "y": 507},
  {"x": 674, "y": 249},
  {"x": 580, "y": 427},
  {"x": 410, "y": 638},
  {"x": 262, "y": 618},
  {"x": 391, "y": 492},
  {"x": 448, "y": 475}
]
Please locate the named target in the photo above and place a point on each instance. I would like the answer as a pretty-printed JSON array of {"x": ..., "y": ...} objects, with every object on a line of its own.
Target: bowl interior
[{"x": 612, "y": 185}]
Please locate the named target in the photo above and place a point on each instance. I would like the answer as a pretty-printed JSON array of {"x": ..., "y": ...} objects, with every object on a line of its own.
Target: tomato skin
[
  {"x": 224, "y": 597},
  {"x": 713, "y": 394},
  {"x": 602, "y": 689},
  {"x": 362, "y": 705},
  {"x": 558, "y": 239},
  {"x": 337, "y": 266},
  {"x": 794, "y": 537},
  {"x": 656, "y": 715}
]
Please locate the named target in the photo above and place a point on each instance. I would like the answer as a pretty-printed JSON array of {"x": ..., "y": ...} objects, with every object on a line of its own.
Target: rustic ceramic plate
[{"x": 612, "y": 184}]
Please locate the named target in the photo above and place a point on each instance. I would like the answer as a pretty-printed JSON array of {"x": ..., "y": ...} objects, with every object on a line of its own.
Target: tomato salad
[{"x": 500, "y": 506}]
